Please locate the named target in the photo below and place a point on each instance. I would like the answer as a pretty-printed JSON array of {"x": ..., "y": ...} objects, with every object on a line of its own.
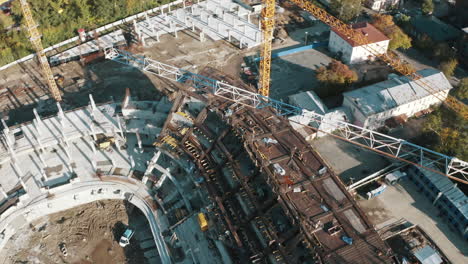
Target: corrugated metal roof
[
  {"x": 449, "y": 190},
  {"x": 428, "y": 255},
  {"x": 396, "y": 91},
  {"x": 309, "y": 101}
]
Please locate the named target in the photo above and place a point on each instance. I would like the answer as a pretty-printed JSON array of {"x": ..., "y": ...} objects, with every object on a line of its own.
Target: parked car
[{"x": 127, "y": 235}]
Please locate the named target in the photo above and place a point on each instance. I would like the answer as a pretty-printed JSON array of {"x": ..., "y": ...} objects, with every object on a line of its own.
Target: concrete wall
[
  {"x": 359, "y": 118},
  {"x": 355, "y": 54},
  {"x": 361, "y": 54}
]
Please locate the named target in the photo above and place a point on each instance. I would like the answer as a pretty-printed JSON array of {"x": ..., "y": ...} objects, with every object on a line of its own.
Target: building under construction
[{"x": 219, "y": 172}]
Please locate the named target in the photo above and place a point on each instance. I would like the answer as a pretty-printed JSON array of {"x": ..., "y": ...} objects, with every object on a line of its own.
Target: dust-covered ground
[{"x": 89, "y": 233}]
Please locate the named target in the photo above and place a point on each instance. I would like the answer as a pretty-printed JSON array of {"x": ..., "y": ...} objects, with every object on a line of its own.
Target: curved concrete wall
[{"x": 67, "y": 197}]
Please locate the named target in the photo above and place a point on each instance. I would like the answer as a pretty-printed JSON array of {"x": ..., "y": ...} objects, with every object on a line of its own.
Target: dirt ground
[{"x": 90, "y": 234}]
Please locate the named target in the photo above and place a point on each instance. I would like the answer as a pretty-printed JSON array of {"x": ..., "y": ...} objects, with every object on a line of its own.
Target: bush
[
  {"x": 336, "y": 75},
  {"x": 462, "y": 89},
  {"x": 398, "y": 39},
  {"x": 427, "y": 7},
  {"x": 448, "y": 67}
]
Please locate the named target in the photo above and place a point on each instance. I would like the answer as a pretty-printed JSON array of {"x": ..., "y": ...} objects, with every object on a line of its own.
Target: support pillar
[
  {"x": 132, "y": 166},
  {"x": 152, "y": 162},
  {"x": 437, "y": 198},
  {"x": 202, "y": 36},
  {"x": 139, "y": 140},
  {"x": 137, "y": 30},
  {"x": 38, "y": 135},
  {"x": 20, "y": 175},
  {"x": 93, "y": 158},
  {"x": 92, "y": 106},
  {"x": 3, "y": 192},
  {"x": 248, "y": 16},
  {"x": 120, "y": 127},
  {"x": 23, "y": 184}
]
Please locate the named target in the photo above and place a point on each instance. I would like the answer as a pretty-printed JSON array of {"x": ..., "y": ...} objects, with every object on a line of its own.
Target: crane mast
[
  {"x": 35, "y": 39},
  {"x": 268, "y": 26}
]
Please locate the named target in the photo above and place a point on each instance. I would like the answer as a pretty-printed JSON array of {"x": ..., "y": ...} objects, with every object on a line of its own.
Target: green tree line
[{"x": 59, "y": 20}]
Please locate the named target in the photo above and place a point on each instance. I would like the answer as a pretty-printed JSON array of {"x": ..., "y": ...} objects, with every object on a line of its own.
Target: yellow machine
[
  {"x": 104, "y": 142},
  {"x": 203, "y": 222}
]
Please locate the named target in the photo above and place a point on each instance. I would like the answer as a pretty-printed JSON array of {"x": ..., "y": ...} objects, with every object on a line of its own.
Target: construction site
[{"x": 162, "y": 126}]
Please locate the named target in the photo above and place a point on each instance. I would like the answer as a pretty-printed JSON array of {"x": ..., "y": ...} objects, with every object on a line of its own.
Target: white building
[
  {"x": 396, "y": 97},
  {"x": 351, "y": 52},
  {"x": 311, "y": 103},
  {"x": 380, "y": 5}
]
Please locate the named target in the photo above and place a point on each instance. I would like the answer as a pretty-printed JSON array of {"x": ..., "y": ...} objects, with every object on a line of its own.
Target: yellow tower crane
[
  {"x": 268, "y": 26},
  {"x": 401, "y": 67},
  {"x": 35, "y": 38}
]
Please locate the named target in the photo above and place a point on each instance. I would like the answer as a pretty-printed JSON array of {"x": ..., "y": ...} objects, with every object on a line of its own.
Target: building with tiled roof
[{"x": 350, "y": 51}]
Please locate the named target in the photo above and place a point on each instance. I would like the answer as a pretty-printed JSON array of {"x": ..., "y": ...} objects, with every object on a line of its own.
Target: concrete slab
[
  {"x": 350, "y": 162},
  {"x": 404, "y": 201}
]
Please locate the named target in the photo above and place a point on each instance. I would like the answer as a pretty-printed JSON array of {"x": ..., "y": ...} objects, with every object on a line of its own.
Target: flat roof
[
  {"x": 372, "y": 34},
  {"x": 396, "y": 91}
]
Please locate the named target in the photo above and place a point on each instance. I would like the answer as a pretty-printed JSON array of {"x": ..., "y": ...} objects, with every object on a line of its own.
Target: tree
[
  {"x": 398, "y": 39},
  {"x": 59, "y": 19},
  {"x": 444, "y": 52},
  {"x": 462, "y": 89},
  {"x": 424, "y": 42},
  {"x": 427, "y": 7},
  {"x": 445, "y": 128},
  {"x": 336, "y": 75},
  {"x": 346, "y": 9},
  {"x": 448, "y": 67}
]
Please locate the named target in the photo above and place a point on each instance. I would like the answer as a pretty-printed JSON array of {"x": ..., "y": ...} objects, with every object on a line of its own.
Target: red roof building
[{"x": 351, "y": 51}]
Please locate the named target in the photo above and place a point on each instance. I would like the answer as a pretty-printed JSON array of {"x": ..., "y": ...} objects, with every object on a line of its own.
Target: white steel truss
[{"x": 396, "y": 148}]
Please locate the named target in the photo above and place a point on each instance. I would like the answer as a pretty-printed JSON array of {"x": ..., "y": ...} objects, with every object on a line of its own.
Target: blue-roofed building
[
  {"x": 434, "y": 28},
  {"x": 398, "y": 96},
  {"x": 445, "y": 196}
]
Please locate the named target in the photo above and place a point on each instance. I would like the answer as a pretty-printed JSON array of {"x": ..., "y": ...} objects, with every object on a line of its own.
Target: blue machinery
[{"x": 383, "y": 144}]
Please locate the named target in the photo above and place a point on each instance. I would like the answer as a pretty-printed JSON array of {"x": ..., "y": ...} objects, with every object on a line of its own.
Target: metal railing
[{"x": 396, "y": 148}]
